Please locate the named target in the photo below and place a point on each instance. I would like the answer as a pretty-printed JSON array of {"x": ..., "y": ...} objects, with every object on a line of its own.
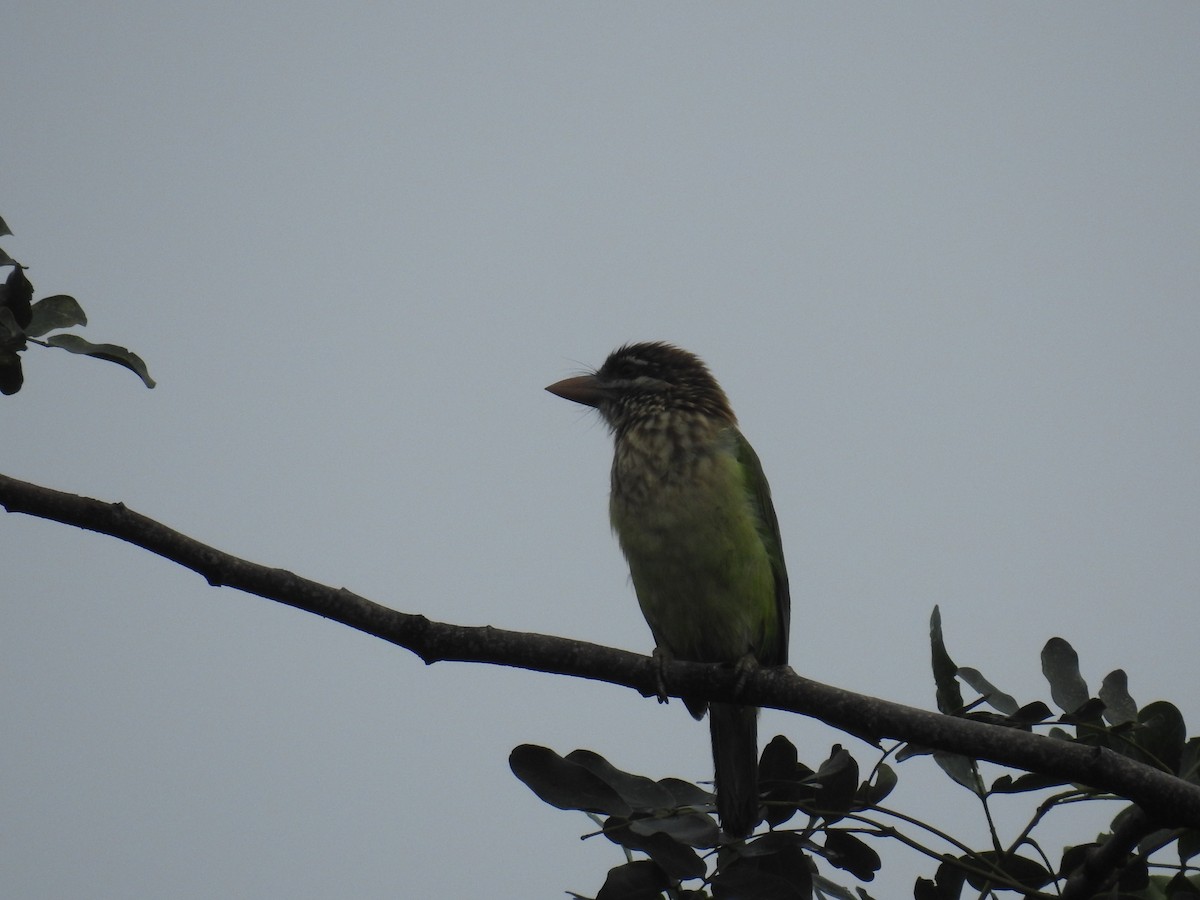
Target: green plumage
[{"x": 693, "y": 515}]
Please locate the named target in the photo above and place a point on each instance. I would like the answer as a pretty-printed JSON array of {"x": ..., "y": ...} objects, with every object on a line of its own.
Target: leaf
[
  {"x": 1026, "y": 872},
  {"x": 110, "y": 352},
  {"x": 996, "y": 697},
  {"x": 847, "y": 852},
  {"x": 961, "y": 769},
  {"x": 1134, "y": 876},
  {"x": 1060, "y": 665},
  {"x": 1161, "y": 734},
  {"x": 872, "y": 794},
  {"x": 1030, "y": 714},
  {"x": 749, "y": 883},
  {"x": 10, "y": 331},
  {"x": 779, "y": 759},
  {"x": 771, "y": 843},
  {"x": 4, "y": 229},
  {"x": 6, "y": 260},
  {"x": 636, "y": 790},
  {"x": 783, "y": 781},
  {"x": 1090, "y": 713},
  {"x": 564, "y": 784},
  {"x": 947, "y": 884},
  {"x": 691, "y": 828},
  {"x": 1073, "y": 857},
  {"x": 11, "y": 376},
  {"x": 837, "y": 780},
  {"x": 1181, "y": 887},
  {"x": 17, "y": 296},
  {"x": 678, "y": 860},
  {"x": 685, "y": 794},
  {"x": 639, "y": 880},
  {"x": 1118, "y": 705},
  {"x": 773, "y": 866},
  {"x": 51, "y": 313},
  {"x": 1030, "y": 781},
  {"x": 949, "y": 697},
  {"x": 826, "y": 888}
]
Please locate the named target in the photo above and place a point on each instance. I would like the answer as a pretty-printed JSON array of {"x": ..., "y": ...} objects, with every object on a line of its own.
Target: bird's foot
[
  {"x": 744, "y": 668},
  {"x": 662, "y": 658}
]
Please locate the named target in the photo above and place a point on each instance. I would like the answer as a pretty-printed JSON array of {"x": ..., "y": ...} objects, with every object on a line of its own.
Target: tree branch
[
  {"x": 1103, "y": 864},
  {"x": 1167, "y": 800}
]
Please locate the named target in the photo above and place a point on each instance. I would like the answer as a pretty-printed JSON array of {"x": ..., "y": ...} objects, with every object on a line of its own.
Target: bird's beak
[{"x": 585, "y": 389}]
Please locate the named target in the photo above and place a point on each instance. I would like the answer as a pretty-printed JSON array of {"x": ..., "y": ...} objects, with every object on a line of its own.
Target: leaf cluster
[
  {"x": 830, "y": 815},
  {"x": 23, "y": 321},
  {"x": 1153, "y": 735},
  {"x": 672, "y": 822}
]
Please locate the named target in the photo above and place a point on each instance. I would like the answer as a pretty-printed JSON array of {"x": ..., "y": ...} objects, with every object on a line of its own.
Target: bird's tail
[{"x": 734, "y": 731}]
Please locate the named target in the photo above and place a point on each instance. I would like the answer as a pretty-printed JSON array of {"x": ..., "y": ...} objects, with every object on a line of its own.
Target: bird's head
[{"x": 643, "y": 382}]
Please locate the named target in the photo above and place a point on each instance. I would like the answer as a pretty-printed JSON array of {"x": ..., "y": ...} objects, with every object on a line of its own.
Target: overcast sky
[{"x": 944, "y": 261}]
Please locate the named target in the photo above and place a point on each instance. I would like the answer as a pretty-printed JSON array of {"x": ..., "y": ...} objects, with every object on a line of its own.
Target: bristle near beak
[{"x": 585, "y": 389}]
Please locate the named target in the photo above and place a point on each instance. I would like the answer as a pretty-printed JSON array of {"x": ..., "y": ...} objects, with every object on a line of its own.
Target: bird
[{"x": 692, "y": 513}]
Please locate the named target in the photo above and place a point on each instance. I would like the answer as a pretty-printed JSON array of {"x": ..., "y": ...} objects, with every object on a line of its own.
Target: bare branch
[{"x": 1167, "y": 800}]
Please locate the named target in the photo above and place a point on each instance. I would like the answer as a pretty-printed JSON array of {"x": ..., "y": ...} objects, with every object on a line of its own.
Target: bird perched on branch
[{"x": 693, "y": 515}]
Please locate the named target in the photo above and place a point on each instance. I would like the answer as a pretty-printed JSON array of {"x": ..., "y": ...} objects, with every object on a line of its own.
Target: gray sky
[{"x": 943, "y": 261}]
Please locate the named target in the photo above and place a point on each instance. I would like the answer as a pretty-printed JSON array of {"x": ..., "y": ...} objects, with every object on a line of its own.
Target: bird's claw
[
  {"x": 744, "y": 668},
  {"x": 661, "y": 659}
]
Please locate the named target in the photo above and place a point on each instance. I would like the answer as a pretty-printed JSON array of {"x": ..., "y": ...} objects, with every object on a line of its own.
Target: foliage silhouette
[
  {"x": 23, "y": 321},
  {"x": 829, "y": 813}
]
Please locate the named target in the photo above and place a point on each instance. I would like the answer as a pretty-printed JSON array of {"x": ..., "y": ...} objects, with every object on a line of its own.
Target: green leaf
[
  {"x": 872, "y": 794},
  {"x": 949, "y": 697},
  {"x": 6, "y": 260},
  {"x": 639, "y": 880},
  {"x": 1030, "y": 781},
  {"x": 1090, "y": 713},
  {"x": 825, "y": 888},
  {"x": 1181, "y": 886},
  {"x": 51, "y": 313},
  {"x": 684, "y": 793},
  {"x": 1074, "y": 856},
  {"x": 636, "y": 790},
  {"x": 1161, "y": 734},
  {"x": 110, "y": 352},
  {"x": 11, "y": 376},
  {"x": 1118, "y": 705},
  {"x": 677, "y": 859},
  {"x": 779, "y": 759},
  {"x": 786, "y": 783},
  {"x": 996, "y": 697},
  {"x": 692, "y": 828},
  {"x": 1029, "y": 714},
  {"x": 1060, "y": 665},
  {"x": 837, "y": 780},
  {"x": 1134, "y": 876},
  {"x": 772, "y": 867},
  {"x": 847, "y": 852},
  {"x": 946, "y": 885},
  {"x": 1026, "y": 872},
  {"x": 564, "y": 784},
  {"x": 17, "y": 296},
  {"x": 4, "y": 229},
  {"x": 11, "y": 332},
  {"x": 961, "y": 769}
]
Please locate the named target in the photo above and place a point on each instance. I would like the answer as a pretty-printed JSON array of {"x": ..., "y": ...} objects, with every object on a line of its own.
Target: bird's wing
[{"x": 760, "y": 496}]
